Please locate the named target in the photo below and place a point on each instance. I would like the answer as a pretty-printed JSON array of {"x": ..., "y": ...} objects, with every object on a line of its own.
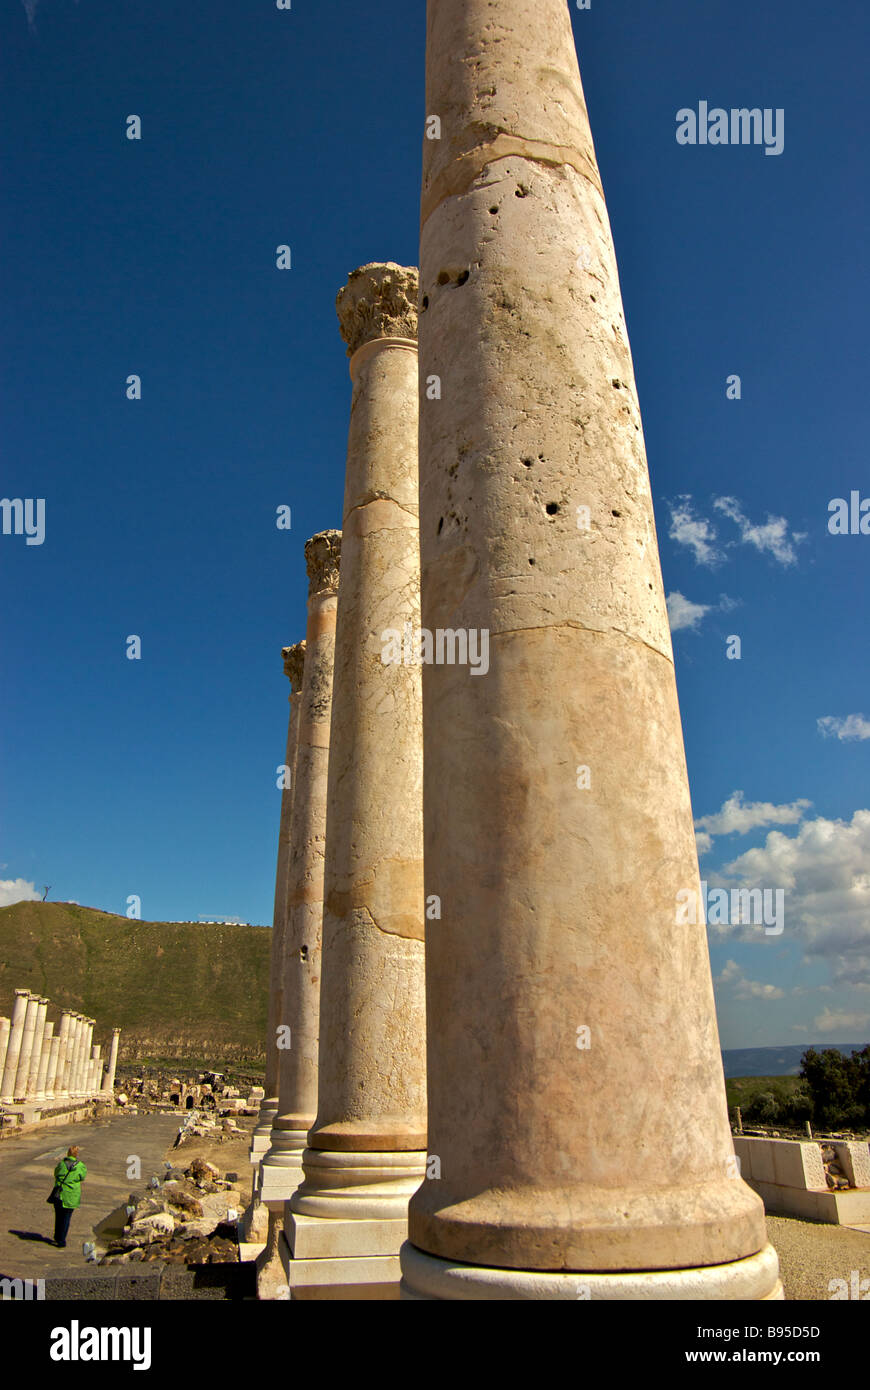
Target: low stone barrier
[{"x": 825, "y": 1181}]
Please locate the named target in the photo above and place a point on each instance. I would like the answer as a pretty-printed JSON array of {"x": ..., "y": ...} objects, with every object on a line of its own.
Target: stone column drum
[
  {"x": 44, "y": 1059},
  {"x": 366, "y": 1149},
  {"x": 70, "y": 1052},
  {"x": 87, "y": 1057},
  {"x": 13, "y": 1050},
  {"x": 60, "y": 1084},
  {"x": 5, "y": 1030},
  {"x": 294, "y": 662},
  {"x": 281, "y": 1171},
  {"x": 109, "y": 1075},
  {"x": 78, "y": 1067},
  {"x": 576, "y": 1101},
  {"x": 51, "y": 1074},
  {"x": 36, "y": 1053},
  {"x": 26, "y": 1055}
]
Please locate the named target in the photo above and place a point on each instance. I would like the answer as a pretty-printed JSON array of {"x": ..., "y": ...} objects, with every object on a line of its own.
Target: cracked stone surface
[
  {"x": 558, "y": 903},
  {"x": 372, "y": 1019}
]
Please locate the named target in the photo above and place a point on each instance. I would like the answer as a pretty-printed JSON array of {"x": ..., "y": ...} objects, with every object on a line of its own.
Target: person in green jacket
[{"x": 69, "y": 1175}]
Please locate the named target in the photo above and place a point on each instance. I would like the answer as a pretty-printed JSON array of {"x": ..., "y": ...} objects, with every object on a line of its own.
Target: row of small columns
[{"x": 38, "y": 1064}]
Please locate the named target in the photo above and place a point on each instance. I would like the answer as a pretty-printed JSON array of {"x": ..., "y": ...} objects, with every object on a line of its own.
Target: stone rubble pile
[
  {"x": 205, "y": 1091},
  {"x": 188, "y": 1219}
]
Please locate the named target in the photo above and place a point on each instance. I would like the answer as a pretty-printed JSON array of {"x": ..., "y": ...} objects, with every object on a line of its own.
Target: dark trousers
[{"x": 62, "y": 1218}]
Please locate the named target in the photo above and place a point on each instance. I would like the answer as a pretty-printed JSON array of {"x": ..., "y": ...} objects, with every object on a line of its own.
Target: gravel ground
[{"x": 812, "y": 1253}]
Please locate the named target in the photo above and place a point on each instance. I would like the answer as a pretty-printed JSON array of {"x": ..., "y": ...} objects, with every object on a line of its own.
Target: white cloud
[
  {"x": 683, "y": 613},
  {"x": 695, "y": 532},
  {"x": 833, "y": 1022},
  {"x": 17, "y": 890},
  {"x": 824, "y": 871},
  {"x": 732, "y": 974},
  {"x": 852, "y": 726},
  {"x": 703, "y": 842},
  {"x": 774, "y": 535},
  {"x": 736, "y": 817}
]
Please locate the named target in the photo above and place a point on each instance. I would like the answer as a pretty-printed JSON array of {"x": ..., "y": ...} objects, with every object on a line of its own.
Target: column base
[
  {"x": 427, "y": 1278},
  {"x": 261, "y": 1135},
  {"x": 358, "y": 1186},
  {"x": 280, "y": 1171},
  {"x": 345, "y": 1225}
]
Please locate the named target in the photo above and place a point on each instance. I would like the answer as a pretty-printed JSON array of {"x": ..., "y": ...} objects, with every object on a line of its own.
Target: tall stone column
[
  {"x": 13, "y": 1050},
  {"x": 63, "y": 1041},
  {"x": 281, "y": 1170},
  {"x": 576, "y": 1101},
  {"x": 36, "y": 1054},
  {"x": 294, "y": 662},
  {"x": 366, "y": 1149},
  {"x": 5, "y": 1030},
  {"x": 63, "y": 1085},
  {"x": 79, "y": 1055},
  {"x": 27, "y": 1042},
  {"x": 44, "y": 1059},
  {"x": 87, "y": 1057},
  {"x": 53, "y": 1060},
  {"x": 96, "y": 1068},
  {"x": 109, "y": 1075}
]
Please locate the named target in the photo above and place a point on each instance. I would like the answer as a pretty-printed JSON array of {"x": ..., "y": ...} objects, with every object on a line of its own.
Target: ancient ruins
[
  {"x": 43, "y": 1071},
  {"x": 548, "y": 797}
]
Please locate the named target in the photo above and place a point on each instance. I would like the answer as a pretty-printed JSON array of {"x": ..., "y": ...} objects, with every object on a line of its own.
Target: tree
[{"x": 838, "y": 1085}]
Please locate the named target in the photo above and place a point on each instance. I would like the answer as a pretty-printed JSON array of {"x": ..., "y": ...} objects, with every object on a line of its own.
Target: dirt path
[{"x": 26, "y": 1170}]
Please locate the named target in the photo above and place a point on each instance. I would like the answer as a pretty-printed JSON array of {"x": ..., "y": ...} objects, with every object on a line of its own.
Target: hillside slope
[{"x": 176, "y": 989}]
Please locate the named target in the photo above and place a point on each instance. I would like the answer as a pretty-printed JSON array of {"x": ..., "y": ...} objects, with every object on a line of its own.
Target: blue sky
[{"x": 157, "y": 257}]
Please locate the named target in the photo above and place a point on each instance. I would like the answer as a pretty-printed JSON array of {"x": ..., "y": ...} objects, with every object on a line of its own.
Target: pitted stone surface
[{"x": 558, "y": 903}]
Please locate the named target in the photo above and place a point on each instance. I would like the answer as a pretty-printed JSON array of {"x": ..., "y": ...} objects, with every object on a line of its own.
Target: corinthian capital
[
  {"x": 322, "y": 556},
  {"x": 294, "y": 662},
  {"x": 378, "y": 301}
]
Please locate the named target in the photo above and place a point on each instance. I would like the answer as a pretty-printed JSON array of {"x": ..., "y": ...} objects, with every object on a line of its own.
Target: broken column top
[
  {"x": 294, "y": 662},
  {"x": 322, "y": 555},
  {"x": 378, "y": 301}
]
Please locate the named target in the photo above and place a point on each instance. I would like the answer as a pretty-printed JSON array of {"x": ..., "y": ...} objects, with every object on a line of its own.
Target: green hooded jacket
[{"x": 70, "y": 1181}]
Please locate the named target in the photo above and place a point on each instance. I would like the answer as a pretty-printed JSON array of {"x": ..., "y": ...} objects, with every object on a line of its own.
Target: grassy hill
[{"x": 177, "y": 990}]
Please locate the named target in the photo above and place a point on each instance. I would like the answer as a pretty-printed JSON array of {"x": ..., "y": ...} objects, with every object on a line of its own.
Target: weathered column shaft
[
  {"x": 13, "y": 1050},
  {"x": 53, "y": 1060},
  {"x": 109, "y": 1076},
  {"x": 63, "y": 1041},
  {"x": 64, "y": 1084},
  {"x": 300, "y": 1002},
  {"x": 576, "y": 1103},
  {"x": 294, "y": 660},
  {"x": 27, "y": 1042},
  {"x": 5, "y": 1030},
  {"x": 366, "y": 1149},
  {"x": 44, "y": 1059},
  {"x": 36, "y": 1053},
  {"x": 77, "y": 1086},
  {"x": 86, "y": 1059}
]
